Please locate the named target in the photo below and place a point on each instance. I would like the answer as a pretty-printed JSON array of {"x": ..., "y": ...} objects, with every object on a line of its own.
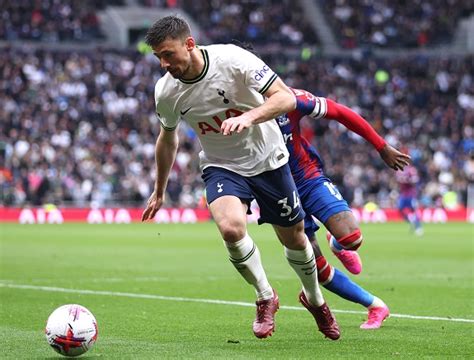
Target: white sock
[
  {"x": 304, "y": 264},
  {"x": 245, "y": 257},
  {"x": 376, "y": 303}
]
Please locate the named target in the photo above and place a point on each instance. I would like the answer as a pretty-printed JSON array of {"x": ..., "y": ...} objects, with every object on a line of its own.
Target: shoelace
[
  {"x": 347, "y": 257},
  {"x": 344, "y": 254},
  {"x": 372, "y": 316},
  {"x": 262, "y": 310},
  {"x": 326, "y": 317}
]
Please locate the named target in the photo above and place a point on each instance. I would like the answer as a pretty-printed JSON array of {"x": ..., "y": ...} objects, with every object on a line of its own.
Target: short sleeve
[
  {"x": 168, "y": 120},
  {"x": 257, "y": 75}
]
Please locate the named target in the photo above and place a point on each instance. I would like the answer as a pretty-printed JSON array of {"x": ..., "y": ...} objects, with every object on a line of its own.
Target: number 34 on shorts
[{"x": 287, "y": 210}]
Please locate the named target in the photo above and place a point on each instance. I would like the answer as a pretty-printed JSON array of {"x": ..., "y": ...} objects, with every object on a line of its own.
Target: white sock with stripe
[
  {"x": 304, "y": 264},
  {"x": 245, "y": 257}
]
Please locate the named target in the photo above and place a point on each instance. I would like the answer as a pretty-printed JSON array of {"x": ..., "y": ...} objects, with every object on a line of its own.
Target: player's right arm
[{"x": 165, "y": 153}]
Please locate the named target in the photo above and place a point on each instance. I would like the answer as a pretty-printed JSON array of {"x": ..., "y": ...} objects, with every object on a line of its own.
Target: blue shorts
[
  {"x": 310, "y": 226},
  {"x": 320, "y": 198},
  {"x": 275, "y": 192},
  {"x": 407, "y": 202}
]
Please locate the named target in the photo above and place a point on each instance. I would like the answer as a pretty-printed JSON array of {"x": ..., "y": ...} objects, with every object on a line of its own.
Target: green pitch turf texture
[{"x": 45, "y": 266}]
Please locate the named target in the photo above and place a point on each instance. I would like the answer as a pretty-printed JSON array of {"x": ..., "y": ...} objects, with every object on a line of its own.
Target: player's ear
[{"x": 190, "y": 43}]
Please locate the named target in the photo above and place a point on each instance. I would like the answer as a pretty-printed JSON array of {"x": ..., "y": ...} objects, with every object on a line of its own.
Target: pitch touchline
[{"x": 206, "y": 301}]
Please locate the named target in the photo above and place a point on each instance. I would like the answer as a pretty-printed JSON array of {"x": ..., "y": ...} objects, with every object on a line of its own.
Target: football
[{"x": 71, "y": 330}]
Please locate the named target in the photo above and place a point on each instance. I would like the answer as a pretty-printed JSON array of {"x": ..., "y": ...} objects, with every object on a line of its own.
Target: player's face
[{"x": 175, "y": 56}]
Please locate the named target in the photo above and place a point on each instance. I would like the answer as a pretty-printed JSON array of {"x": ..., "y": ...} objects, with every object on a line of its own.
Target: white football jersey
[{"x": 232, "y": 82}]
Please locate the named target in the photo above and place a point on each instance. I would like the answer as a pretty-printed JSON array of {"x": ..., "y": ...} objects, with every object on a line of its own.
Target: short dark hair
[{"x": 168, "y": 27}]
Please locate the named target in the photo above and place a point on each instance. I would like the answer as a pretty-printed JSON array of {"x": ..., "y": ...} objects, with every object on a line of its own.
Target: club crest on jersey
[
  {"x": 282, "y": 120},
  {"x": 219, "y": 187},
  {"x": 260, "y": 74},
  {"x": 221, "y": 92}
]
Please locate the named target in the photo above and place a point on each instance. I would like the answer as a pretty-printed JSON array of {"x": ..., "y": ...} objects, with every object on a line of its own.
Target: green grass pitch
[{"x": 148, "y": 286}]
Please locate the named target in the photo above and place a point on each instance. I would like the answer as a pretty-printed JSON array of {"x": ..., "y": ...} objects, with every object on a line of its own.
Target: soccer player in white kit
[{"x": 220, "y": 91}]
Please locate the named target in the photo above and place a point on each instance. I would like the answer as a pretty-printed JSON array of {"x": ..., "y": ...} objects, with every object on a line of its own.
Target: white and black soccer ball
[{"x": 71, "y": 330}]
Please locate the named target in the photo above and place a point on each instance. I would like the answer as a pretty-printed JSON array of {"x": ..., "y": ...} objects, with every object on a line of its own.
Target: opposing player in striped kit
[
  {"x": 320, "y": 198},
  {"x": 408, "y": 182},
  {"x": 220, "y": 91}
]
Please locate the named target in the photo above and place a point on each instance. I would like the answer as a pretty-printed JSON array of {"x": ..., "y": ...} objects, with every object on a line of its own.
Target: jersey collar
[{"x": 203, "y": 73}]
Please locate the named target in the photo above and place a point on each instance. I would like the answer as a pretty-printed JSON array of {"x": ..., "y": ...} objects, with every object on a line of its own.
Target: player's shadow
[{"x": 92, "y": 356}]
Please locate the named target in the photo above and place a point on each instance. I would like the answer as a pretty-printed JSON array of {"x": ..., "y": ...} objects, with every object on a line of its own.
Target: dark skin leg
[
  {"x": 341, "y": 224},
  {"x": 315, "y": 246}
]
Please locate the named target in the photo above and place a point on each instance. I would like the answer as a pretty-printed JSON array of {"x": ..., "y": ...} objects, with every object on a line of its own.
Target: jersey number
[
  {"x": 333, "y": 190},
  {"x": 286, "y": 209}
]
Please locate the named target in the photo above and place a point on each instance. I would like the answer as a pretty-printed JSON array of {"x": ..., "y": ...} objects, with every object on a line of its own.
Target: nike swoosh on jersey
[
  {"x": 185, "y": 111},
  {"x": 294, "y": 217}
]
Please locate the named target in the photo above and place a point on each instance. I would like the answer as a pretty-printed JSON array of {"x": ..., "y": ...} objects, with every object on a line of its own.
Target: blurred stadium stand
[
  {"x": 127, "y": 25},
  {"x": 398, "y": 24},
  {"x": 76, "y": 99}
]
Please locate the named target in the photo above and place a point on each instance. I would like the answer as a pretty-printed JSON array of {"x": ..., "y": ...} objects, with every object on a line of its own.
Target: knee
[
  {"x": 232, "y": 231},
  {"x": 293, "y": 237}
]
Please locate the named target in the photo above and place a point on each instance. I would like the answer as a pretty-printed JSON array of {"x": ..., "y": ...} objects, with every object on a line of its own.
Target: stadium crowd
[
  {"x": 80, "y": 126},
  {"x": 265, "y": 21},
  {"x": 385, "y": 23},
  {"x": 380, "y": 23},
  {"x": 261, "y": 22},
  {"x": 52, "y": 20},
  {"x": 357, "y": 23}
]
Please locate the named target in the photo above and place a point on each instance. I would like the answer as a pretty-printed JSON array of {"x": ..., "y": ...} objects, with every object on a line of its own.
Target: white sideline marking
[{"x": 206, "y": 301}]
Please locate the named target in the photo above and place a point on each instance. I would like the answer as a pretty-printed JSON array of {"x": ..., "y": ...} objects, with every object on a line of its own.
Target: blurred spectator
[
  {"x": 386, "y": 23},
  {"x": 260, "y": 22},
  {"x": 51, "y": 20}
]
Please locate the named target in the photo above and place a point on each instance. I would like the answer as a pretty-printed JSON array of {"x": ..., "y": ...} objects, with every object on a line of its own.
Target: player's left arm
[
  {"x": 356, "y": 123},
  {"x": 279, "y": 100}
]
